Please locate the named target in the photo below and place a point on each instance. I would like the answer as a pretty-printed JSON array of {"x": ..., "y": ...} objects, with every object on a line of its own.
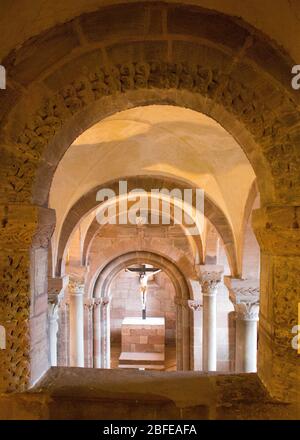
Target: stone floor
[{"x": 83, "y": 393}]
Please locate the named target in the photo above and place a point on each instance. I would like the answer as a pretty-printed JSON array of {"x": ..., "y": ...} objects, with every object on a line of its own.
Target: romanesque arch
[
  {"x": 89, "y": 202},
  {"x": 184, "y": 291}
]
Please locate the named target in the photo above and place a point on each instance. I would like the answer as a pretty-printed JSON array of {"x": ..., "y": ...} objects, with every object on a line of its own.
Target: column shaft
[
  {"x": 105, "y": 336},
  {"x": 246, "y": 345},
  {"x": 97, "y": 335},
  {"x": 76, "y": 330},
  {"x": 209, "y": 332},
  {"x": 53, "y": 328}
]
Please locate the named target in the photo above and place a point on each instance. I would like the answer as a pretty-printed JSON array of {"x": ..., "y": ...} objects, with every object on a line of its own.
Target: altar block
[{"x": 143, "y": 343}]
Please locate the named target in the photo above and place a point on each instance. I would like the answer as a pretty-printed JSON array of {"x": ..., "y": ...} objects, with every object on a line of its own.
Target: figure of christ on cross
[{"x": 144, "y": 274}]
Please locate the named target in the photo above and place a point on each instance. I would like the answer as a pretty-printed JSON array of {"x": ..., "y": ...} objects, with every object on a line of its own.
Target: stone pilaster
[
  {"x": 210, "y": 277},
  {"x": 277, "y": 229},
  {"x": 25, "y": 232}
]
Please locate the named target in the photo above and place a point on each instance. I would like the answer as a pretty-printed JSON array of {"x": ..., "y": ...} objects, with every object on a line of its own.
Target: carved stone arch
[
  {"x": 184, "y": 290},
  {"x": 88, "y": 203},
  {"x": 176, "y": 258},
  {"x": 179, "y": 62},
  {"x": 105, "y": 276}
]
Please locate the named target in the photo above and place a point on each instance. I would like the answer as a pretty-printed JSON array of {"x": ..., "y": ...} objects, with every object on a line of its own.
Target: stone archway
[
  {"x": 184, "y": 291},
  {"x": 89, "y": 202},
  {"x": 177, "y": 62}
]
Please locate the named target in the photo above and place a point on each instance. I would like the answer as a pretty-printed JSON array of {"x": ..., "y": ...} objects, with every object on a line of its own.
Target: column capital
[
  {"x": 56, "y": 288},
  {"x": 244, "y": 294},
  {"x": 76, "y": 286},
  {"x": 89, "y": 303},
  {"x": 194, "y": 305},
  {"x": 210, "y": 275},
  {"x": 97, "y": 302},
  {"x": 105, "y": 301}
]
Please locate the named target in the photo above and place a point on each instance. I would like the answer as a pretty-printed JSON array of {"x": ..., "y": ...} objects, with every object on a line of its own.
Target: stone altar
[{"x": 143, "y": 343}]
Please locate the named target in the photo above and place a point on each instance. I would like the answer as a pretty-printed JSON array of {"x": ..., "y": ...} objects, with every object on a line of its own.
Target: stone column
[
  {"x": 97, "y": 333},
  {"x": 196, "y": 307},
  {"x": 210, "y": 276},
  {"x": 53, "y": 328},
  {"x": 244, "y": 295},
  {"x": 63, "y": 340},
  {"x": 76, "y": 291},
  {"x": 56, "y": 293},
  {"x": 105, "y": 329}
]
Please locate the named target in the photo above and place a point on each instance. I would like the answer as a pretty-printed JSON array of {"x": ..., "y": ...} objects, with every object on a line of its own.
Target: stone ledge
[{"x": 77, "y": 393}]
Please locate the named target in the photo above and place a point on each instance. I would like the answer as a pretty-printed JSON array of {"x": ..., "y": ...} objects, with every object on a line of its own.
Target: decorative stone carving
[
  {"x": 105, "y": 301},
  {"x": 89, "y": 304},
  {"x": 210, "y": 277},
  {"x": 244, "y": 294},
  {"x": 56, "y": 288},
  {"x": 236, "y": 96},
  {"x": 194, "y": 305},
  {"x": 246, "y": 303},
  {"x": 76, "y": 286},
  {"x": 97, "y": 302}
]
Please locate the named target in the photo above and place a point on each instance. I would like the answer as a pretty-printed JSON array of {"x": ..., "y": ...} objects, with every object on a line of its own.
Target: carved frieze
[{"x": 236, "y": 96}]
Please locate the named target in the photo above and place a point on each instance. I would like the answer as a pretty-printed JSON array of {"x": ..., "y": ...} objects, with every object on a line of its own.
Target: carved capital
[
  {"x": 194, "y": 305},
  {"x": 56, "y": 288},
  {"x": 244, "y": 294},
  {"x": 105, "y": 301},
  {"x": 89, "y": 304},
  {"x": 76, "y": 286},
  {"x": 210, "y": 276},
  {"x": 97, "y": 302},
  {"x": 247, "y": 310}
]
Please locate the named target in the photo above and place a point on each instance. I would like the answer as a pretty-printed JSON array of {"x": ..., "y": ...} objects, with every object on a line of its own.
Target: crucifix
[{"x": 144, "y": 273}]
